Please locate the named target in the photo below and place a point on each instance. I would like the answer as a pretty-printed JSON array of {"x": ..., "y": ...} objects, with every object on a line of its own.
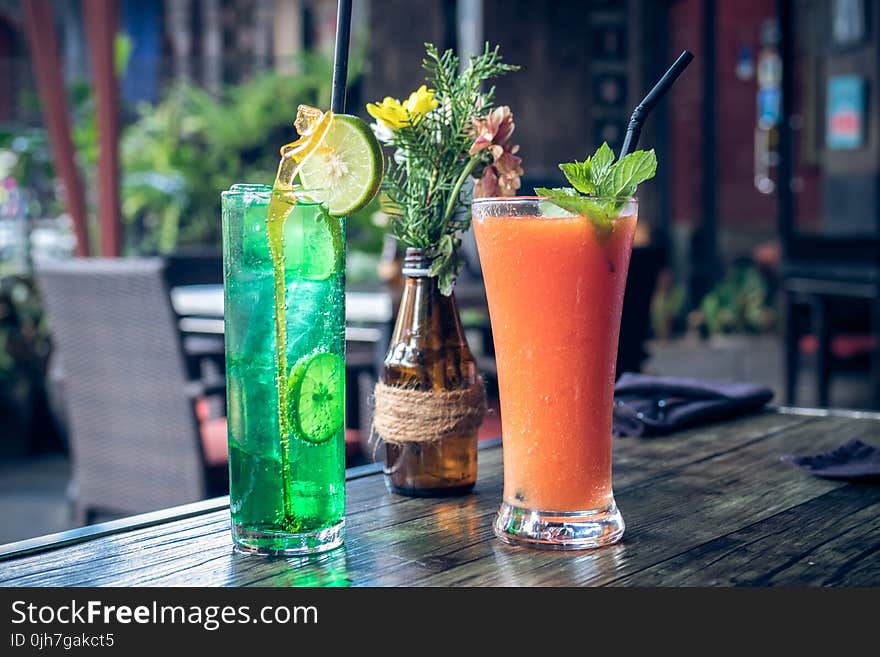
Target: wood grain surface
[{"x": 712, "y": 506}]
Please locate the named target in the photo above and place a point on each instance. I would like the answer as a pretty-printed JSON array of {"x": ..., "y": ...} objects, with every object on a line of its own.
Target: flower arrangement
[{"x": 445, "y": 133}]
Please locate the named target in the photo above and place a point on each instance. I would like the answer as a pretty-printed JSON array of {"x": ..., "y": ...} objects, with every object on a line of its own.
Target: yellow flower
[
  {"x": 394, "y": 115},
  {"x": 389, "y": 113},
  {"x": 420, "y": 102}
]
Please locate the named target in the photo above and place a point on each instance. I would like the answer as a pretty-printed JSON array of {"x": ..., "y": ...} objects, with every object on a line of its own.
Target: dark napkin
[
  {"x": 655, "y": 405},
  {"x": 853, "y": 461}
]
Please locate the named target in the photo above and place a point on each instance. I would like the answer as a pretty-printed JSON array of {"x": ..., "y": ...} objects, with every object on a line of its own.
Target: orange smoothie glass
[{"x": 555, "y": 288}]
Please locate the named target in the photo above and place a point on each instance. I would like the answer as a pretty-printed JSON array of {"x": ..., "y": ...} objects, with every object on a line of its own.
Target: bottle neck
[
  {"x": 428, "y": 346},
  {"x": 416, "y": 264}
]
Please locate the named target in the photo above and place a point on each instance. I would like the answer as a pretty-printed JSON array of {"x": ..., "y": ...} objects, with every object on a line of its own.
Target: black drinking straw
[
  {"x": 634, "y": 129},
  {"x": 340, "y": 57}
]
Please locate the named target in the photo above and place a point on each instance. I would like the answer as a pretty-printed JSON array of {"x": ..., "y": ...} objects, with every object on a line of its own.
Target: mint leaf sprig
[{"x": 600, "y": 186}]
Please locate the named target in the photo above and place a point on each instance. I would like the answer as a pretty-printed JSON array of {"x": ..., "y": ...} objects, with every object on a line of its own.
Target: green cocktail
[
  {"x": 284, "y": 273},
  {"x": 286, "y": 442}
]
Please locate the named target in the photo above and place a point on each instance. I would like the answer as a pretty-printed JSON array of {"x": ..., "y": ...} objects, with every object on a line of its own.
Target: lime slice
[
  {"x": 346, "y": 169},
  {"x": 316, "y": 396}
]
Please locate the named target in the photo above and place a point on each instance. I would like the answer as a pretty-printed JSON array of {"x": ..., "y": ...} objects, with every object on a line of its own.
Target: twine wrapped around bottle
[{"x": 407, "y": 415}]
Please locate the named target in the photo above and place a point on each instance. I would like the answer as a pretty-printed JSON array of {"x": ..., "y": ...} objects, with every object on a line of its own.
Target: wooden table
[{"x": 706, "y": 507}]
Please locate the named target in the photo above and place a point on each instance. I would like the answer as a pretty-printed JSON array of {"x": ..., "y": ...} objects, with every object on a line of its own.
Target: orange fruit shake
[{"x": 555, "y": 286}]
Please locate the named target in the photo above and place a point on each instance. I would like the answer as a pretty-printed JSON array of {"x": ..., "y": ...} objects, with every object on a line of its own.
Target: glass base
[
  {"x": 559, "y": 530},
  {"x": 250, "y": 541}
]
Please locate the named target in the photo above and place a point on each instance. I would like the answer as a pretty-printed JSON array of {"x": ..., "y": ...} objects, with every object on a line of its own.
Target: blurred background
[{"x": 121, "y": 122}]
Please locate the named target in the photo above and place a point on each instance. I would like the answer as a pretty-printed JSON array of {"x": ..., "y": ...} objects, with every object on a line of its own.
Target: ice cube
[
  {"x": 252, "y": 409},
  {"x": 249, "y": 311},
  {"x": 305, "y": 304},
  {"x": 311, "y": 243},
  {"x": 254, "y": 239}
]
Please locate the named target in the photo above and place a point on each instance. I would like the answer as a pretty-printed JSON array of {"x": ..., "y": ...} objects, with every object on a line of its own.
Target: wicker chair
[{"x": 135, "y": 438}]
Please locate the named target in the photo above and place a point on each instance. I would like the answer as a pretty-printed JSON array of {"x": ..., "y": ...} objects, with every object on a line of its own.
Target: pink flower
[
  {"x": 501, "y": 177},
  {"x": 487, "y": 185},
  {"x": 495, "y": 128}
]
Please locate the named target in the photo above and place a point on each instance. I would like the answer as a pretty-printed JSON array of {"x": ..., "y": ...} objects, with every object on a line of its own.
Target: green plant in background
[
  {"x": 25, "y": 157},
  {"x": 27, "y": 187},
  {"x": 24, "y": 337},
  {"x": 84, "y": 124},
  {"x": 24, "y": 354},
  {"x": 739, "y": 303},
  {"x": 667, "y": 304}
]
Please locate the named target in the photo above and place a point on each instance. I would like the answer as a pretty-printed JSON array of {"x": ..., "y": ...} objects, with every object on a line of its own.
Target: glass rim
[
  {"x": 532, "y": 199},
  {"x": 265, "y": 191}
]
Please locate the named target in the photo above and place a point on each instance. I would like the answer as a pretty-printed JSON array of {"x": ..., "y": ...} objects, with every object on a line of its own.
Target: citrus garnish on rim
[{"x": 345, "y": 171}]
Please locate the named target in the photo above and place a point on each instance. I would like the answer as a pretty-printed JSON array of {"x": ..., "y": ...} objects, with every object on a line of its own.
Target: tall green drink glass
[{"x": 285, "y": 371}]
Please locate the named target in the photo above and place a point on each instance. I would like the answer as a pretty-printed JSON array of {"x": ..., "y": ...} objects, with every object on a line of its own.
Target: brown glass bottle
[{"x": 428, "y": 351}]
